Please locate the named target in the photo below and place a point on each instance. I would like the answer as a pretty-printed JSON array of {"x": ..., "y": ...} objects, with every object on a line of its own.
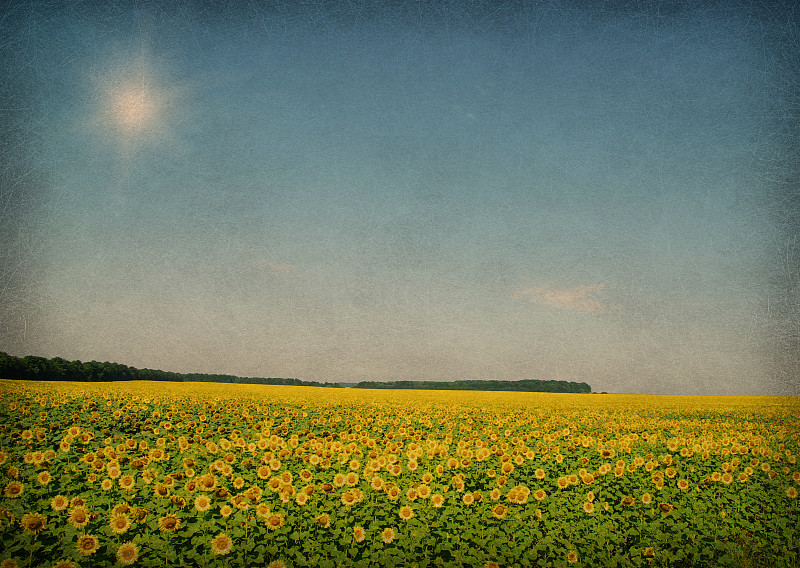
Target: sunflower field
[{"x": 198, "y": 474}]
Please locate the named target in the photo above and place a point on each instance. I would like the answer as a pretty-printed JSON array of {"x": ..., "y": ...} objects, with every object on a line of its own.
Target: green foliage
[
  {"x": 527, "y": 385},
  {"x": 31, "y": 368}
]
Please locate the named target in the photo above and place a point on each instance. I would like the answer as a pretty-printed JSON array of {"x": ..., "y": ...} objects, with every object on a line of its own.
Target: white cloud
[{"x": 579, "y": 298}]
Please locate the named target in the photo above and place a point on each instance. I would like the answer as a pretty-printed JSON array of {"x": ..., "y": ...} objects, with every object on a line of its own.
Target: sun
[
  {"x": 136, "y": 103},
  {"x": 134, "y": 108}
]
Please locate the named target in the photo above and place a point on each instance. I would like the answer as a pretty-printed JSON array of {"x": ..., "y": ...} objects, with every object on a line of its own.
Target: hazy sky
[{"x": 340, "y": 191}]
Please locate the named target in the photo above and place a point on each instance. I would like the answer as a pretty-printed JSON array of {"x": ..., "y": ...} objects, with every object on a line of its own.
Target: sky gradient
[{"x": 345, "y": 191}]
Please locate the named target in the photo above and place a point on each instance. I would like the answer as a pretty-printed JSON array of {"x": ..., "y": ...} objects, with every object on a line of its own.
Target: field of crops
[{"x": 151, "y": 474}]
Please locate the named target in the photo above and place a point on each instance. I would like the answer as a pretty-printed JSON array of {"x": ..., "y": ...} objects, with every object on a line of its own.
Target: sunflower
[
  {"x": 14, "y": 489},
  {"x": 78, "y": 517},
  {"x": 665, "y": 508},
  {"x": 359, "y": 534},
  {"x": 207, "y": 482},
  {"x": 499, "y": 511},
  {"x": 423, "y": 491},
  {"x": 491, "y": 564},
  {"x": 59, "y": 503},
  {"x": 467, "y": 499},
  {"x": 683, "y": 485},
  {"x": 226, "y": 511},
  {"x": 647, "y": 498},
  {"x": 588, "y": 507},
  {"x": 169, "y": 523},
  {"x": 628, "y": 501},
  {"x": 791, "y": 493},
  {"x": 63, "y": 564},
  {"x": 323, "y": 520},
  {"x": 388, "y": 535},
  {"x": 87, "y": 544},
  {"x": 274, "y": 521},
  {"x": 44, "y": 477},
  {"x": 406, "y": 513},
  {"x": 350, "y": 497},
  {"x": 127, "y": 482},
  {"x": 120, "y": 523},
  {"x": 221, "y": 544},
  {"x": 437, "y": 500},
  {"x": 32, "y": 522},
  {"x": 572, "y": 557},
  {"x": 127, "y": 553},
  {"x": 276, "y": 564},
  {"x": 539, "y": 494}
]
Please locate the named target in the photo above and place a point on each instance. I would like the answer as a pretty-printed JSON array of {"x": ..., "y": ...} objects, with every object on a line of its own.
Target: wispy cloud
[
  {"x": 579, "y": 298},
  {"x": 277, "y": 267},
  {"x": 270, "y": 265}
]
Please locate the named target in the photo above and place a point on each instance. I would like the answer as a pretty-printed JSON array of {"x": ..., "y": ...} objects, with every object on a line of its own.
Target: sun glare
[
  {"x": 134, "y": 108},
  {"x": 136, "y": 104}
]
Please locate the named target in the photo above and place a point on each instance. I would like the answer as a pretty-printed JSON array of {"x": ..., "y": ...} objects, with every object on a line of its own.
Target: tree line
[
  {"x": 32, "y": 368},
  {"x": 525, "y": 385}
]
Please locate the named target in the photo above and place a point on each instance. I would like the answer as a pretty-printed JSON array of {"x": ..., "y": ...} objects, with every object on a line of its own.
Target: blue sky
[{"x": 406, "y": 190}]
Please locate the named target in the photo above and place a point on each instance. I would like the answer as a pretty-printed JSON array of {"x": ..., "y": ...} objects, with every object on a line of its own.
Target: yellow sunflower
[
  {"x": 274, "y": 521},
  {"x": 87, "y": 544},
  {"x": 359, "y": 534},
  {"x": 59, "y": 503},
  {"x": 499, "y": 511},
  {"x": 221, "y": 544},
  {"x": 120, "y": 523},
  {"x": 406, "y": 513},
  {"x": 78, "y": 517},
  {"x": 388, "y": 535},
  {"x": 202, "y": 503},
  {"x": 127, "y": 553},
  {"x": 169, "y": 523},
  {"x": 14, "y": 489},
  {"x": 32, "y": 522}
]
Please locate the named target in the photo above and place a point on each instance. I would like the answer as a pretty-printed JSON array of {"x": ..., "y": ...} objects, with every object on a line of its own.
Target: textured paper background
[{"x": 344, "y": 191}]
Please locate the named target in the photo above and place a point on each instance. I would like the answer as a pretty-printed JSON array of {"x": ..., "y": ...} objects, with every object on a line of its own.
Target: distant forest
[
  {"x": 32, "y": 368},
  {"x": 520, "y": 386}
]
